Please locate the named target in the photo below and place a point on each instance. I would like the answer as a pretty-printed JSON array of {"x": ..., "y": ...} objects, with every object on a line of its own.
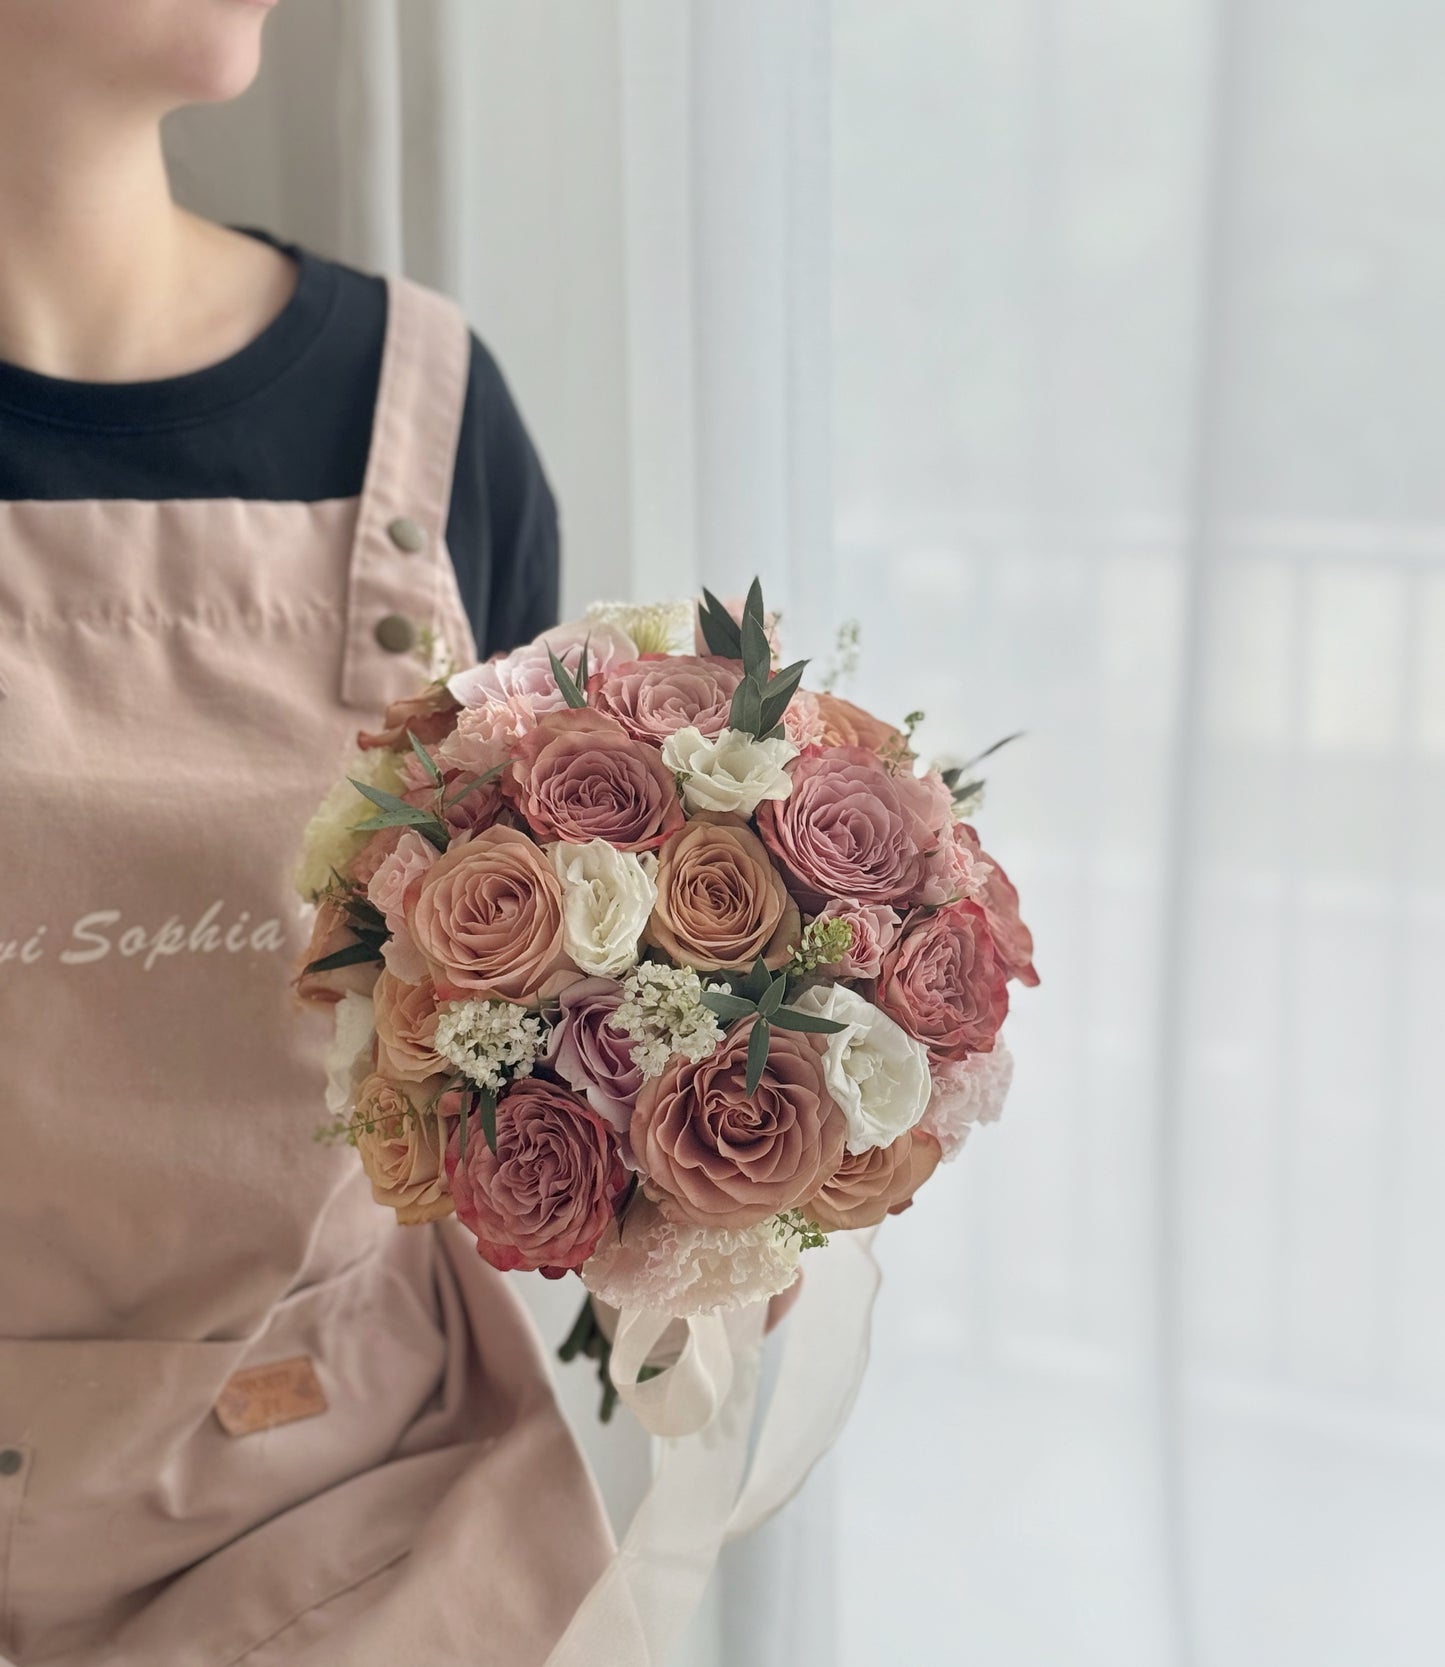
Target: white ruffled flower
[
  {"x": 650, "y": 1262},
  {"x": 348, "y": 1059},
  {"x": 969, "y": 1092},
  {"x": 662, "y": 1011},
  {"x": 489, "y": 1042},
  {"x": 607, "y": 898},
  {"x": 330, "y": 840},
  {"x": 734, "y": 772},
  {"x": 874, "y": 1069},
  {"x": 656, "y": 627}
]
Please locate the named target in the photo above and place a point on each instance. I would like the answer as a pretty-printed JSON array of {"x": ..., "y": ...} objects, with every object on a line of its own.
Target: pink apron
[{"x": 179, "y": 684}]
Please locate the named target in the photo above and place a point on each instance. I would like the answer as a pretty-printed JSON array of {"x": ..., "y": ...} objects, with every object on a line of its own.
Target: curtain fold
[{"x": 1087, "y": 353}]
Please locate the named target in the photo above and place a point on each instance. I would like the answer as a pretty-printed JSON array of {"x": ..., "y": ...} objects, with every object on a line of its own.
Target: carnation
[
  {"x": 646, "y": 1261},
  {"x": 733, "y": 773},
  {"x": 348, "y": 1059},
  {"x": 489, "y": 1042},
  {"x": 662, "y": 1011},
  {"x": 967, "y": 1092}
]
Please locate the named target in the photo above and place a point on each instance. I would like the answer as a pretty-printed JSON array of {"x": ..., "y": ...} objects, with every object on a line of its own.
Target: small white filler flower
[
  {"x": 489, "y": 1042},
  {"x": 662, "y": 1011}
]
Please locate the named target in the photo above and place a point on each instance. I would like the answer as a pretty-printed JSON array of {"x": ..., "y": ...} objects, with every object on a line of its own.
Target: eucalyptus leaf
[
  {"x": 487, "y": 1106},
  {"x": 789, "y": 1018},
  {"x": 720, "y": 631},
  {"x": 354, "y": 955},
  {"x": 757, "y": 650},
  {"x": 772, "y": 998},
  {"x": 474, "y": 783},
  {"x": 757, "y": 980},
  {"x": 988, "y": 752},
  {"x": 428, "y": 762},
  {"x": 757, "y": 1055},
  {"x": 570, "y": 692},
  {"x": 462, "y": 1133},
  {"x": 728, "y": 1008},
  {"x": 379, "y": 796}
]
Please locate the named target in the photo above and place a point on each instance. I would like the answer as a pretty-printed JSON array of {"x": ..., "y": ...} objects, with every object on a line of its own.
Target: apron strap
[{"x": 399, "y": 557}]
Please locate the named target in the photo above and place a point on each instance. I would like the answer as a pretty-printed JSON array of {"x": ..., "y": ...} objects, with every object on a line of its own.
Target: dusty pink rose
[
  {"x": 721, "y": 1157},
  {"x": 851, "y": 828},
  {"x": 847, "y": 725},
  {"x": 524, "y": 681},
  {"x": 944, "y": 983},
  {"x": 720, "y": 902},
  {"x": 428, "y": 716},
  {"x": 579, "y": 775},
  {"x": 1014, "y": 941},
  {"x": 593, "y": 1057},
  {"x": 542, "y": 1199},
  {"x": 487, "y": 920},
  {"x": 656, "y": 696},
  {"x": 369, "y": 858},
  {"x": 869, "y": 1185},
  {"x": 406, "y": 1026},
  {"x": 401, "y": 1148},
  {"x": 875, "y": 930},
  {"x": 331, "y": 933}
]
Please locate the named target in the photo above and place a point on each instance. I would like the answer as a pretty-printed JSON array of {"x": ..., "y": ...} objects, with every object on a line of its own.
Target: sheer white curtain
[{"x": 1088, "y": 352}]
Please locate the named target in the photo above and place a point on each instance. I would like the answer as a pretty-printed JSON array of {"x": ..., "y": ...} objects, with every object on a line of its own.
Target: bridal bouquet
[{"x": 652, "y": 964}]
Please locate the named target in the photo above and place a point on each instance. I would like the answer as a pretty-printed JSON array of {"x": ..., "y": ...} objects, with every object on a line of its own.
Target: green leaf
[
  {"x": 757, "y": 1055},
  {"x": 987, "y": 752},
  {"x": 487, "y": 1105},
  {"x": 746, "y": 712},
  {"x": 581, "y": 678},
  {"x": 757, "y": 651},
  {"x": 720, "y": 631},
  {"x": 428, "y": 762},
  {"x": 379, "y": 797},
  {"x": 728, "y": 1008},
  {"x": 422, "y": 820},
  {"x": 462, "y": 1132},
  {"x": 779, "y": 692},
  {"x": 772, "y": 998},
  {"x": 354, "y": 955},
  {"x": 582, "y": 1328},
  {"x": 789, "y": 1018},
  {"x": 755, "y": 984},
  {"x": 570, "y": 692},
  {"x": 474, "y": 783},
  {"x": 967, "y": 791}
]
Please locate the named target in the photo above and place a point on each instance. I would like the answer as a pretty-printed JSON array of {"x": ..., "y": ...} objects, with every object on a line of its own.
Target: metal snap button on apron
[
  {"x": 11, "y": 1459},
  {"x": 396, "y": 633},
  {"x": 406, "y": 534}
]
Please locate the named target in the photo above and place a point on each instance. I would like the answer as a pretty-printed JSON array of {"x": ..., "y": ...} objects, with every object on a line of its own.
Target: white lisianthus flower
[
  {"x": 607, "y": 897},
  {"x": 874, "y": 1069},
  {"x": 735, "y": 772},
  {"x": 330, "y": 840},
  {"x": 348, "y": 1059}
]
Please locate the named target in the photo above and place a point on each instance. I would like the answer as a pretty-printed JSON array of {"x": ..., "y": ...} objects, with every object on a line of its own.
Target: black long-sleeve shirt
[{"x": 288, "y": 419}]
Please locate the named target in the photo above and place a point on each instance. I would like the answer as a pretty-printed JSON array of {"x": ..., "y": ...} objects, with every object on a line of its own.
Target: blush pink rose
[
  {"x": 867, "y": 1186},
  {"x": 543, "y": 1198},
  {"x": 369, "y": 858},
  {"x": 487, "y": 920},
  {"x": 330, "y": 933},
  {"x": 944, "y": 983},
  {"x": 656, "y": 696},
  {"x": 851, "y": 827},
  {"x": 484, "y": 737},
  {"x": 592, "y": 1056},
  {"x": 720, "y": 902},
  {"x": 393, "y": 889},
  {"x": 875, "y": 930},
  {"x": 715, "y": 1155},
  {"x": 1014, "y": 941},
  {"x": 405, "y": 1016},
  {"x": 579, "y": 775},
  {"x": 524, "y": 681}
]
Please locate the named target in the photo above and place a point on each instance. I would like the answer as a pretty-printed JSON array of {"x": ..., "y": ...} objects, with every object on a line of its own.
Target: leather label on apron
[{"x": 261, "y": 1397}]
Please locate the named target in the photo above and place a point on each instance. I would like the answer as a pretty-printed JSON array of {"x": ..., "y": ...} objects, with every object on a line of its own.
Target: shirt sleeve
[{"x": 502, "y": 529}]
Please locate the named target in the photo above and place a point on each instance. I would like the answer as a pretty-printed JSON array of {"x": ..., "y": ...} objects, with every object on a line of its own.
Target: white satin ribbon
[{"x": 703, "y": 1489}]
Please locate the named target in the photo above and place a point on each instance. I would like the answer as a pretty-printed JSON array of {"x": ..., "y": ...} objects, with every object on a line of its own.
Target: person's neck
[{"x": 103, "y": 278}]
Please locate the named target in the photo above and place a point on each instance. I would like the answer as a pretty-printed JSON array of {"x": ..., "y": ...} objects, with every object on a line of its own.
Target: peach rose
[
  {"x": 488, "y": 921},
  {"x": 715, "y": 1155},
  {"x": 429, "y": 716},
  {"x": 406, "y": 1025},
  {"x": 869, "y": 1185},
  {"x": 720, "y": 902},
  {"x": 845, "y": 725},
  {"x": 653, "y": 698},
  {"x": 402, "y": 1149},
  {"x": 542, "y": 1199},
  {"x": 331, "y": 933},
  {"x": 579, "y": 775}
]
